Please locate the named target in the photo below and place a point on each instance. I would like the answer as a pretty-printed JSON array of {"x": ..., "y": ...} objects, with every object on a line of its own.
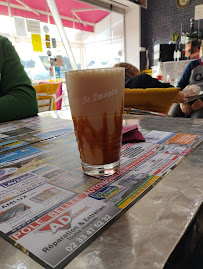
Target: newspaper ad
[{"x": 53, "y": 210}]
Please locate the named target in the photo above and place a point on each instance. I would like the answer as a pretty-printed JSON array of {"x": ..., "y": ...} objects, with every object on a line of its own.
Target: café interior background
[
  {"x": 160, "y": 20},
  {"x": 106, "y": 45}
]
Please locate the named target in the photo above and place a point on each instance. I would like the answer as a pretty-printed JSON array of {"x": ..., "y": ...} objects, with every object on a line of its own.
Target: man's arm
[{"x": 17, "y": 96}]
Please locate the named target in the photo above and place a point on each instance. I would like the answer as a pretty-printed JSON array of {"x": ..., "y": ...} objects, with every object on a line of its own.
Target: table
[{"x": 144, "y": 236}]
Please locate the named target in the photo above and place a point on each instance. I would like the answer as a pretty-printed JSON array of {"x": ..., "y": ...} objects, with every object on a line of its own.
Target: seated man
[
  {"x": 17, "y": 96},
  {"x": 192, "y": 75}
]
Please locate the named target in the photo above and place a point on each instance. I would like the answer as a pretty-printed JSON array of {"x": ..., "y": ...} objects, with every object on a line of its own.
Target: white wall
[
  {"x": 133, "y": 35},
  {"x": 132, "y": 26},
  {"x": 106, "y": 44},
  {"x": 111, "y": 27}
]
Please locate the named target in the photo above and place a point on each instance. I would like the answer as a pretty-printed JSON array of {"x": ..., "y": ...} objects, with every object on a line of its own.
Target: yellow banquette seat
[{"x": 151, "y": 99}]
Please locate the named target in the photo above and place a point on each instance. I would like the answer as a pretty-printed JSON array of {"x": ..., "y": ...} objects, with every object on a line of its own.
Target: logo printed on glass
[{"x": 98, "y": 97}]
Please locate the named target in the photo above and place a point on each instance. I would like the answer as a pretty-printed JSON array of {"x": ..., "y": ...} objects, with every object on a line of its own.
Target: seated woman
[
  {"x": 134, "y": 79},
  {"x": 17, "y": 96}
]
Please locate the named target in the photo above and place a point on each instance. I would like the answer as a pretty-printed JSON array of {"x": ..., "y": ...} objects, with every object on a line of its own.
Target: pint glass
[{"x": 96, "y": 98}]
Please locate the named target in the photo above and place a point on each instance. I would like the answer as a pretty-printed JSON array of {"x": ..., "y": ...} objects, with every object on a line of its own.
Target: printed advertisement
[
  {"x": 64, "y": 229},
  {"x": 31, "y": 130},
  {"x": 51, "y": 208}
]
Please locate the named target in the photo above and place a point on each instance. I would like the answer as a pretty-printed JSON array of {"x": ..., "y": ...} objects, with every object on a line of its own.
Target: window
[{"x": 96, "y": 38}]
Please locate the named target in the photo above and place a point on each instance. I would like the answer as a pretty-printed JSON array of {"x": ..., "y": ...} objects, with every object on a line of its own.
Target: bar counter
[{"x": 145, "y": 235}]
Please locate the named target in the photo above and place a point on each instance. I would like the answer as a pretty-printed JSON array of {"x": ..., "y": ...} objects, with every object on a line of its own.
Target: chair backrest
[
  {"x": 151, "y": 99},
  {"x": 45, "y": 101},
  {"x": 147, "y": 71},
  {"x": 57, "y": 88},
  {"x": 53, "y": 90}
]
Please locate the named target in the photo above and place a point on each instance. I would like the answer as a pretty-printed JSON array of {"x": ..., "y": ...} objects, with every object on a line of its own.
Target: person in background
[
  {"x": 134, "y": 79},
  {"x": 192, "y": 75},
  {"x": 17, "y": 96}
]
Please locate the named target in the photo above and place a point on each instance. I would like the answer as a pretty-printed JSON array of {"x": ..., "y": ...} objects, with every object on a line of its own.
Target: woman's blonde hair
[{"x": 130, "y": 70}]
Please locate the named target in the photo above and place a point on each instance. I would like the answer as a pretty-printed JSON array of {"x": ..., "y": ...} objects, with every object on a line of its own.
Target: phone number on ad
[{"x": 82, "y": 238}]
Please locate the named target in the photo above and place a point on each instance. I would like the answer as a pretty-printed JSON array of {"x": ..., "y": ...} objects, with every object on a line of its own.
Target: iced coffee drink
[{"x": 96, "y": 98}]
